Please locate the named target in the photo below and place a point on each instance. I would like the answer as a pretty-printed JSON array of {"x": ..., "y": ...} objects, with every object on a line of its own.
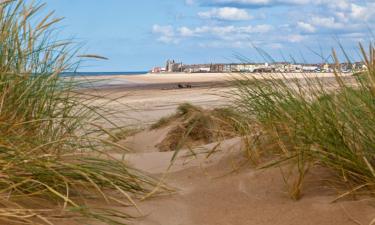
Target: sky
[{"x": 137, "y": 35}]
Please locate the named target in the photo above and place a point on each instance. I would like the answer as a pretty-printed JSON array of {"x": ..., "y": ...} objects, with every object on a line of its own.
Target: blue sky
[{"x": 140, "y": 34}]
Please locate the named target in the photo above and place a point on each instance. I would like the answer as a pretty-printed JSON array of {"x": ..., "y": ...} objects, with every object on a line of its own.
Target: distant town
[{"x": 284, "y": 67}]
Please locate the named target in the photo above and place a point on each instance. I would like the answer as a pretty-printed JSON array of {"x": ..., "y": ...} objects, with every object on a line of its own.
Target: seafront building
[
  {"x": 172, "y": 66},
  {"x": 282, "y": 67}
]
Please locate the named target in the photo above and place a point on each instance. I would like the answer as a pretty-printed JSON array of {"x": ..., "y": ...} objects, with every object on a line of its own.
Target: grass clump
[
  {"x": 49, "y": 143},
  {"x": 181, "y": 111},
  {"x": 314, "y": 121},
  {"x": 162, "y": 122},
  {"x": 193, "y": 126}
]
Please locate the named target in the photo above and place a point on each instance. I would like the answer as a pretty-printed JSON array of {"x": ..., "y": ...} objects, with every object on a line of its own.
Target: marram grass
[
  {"x": 310, "y": 121},
  {"x": 51, "y": 151},
  {"x": 192, "y": 126}
]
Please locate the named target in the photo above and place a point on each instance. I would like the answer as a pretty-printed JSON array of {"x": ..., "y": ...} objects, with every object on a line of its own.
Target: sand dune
[
  {"x": 216, "y": 190},
  {"x": 210, "y": 192}
]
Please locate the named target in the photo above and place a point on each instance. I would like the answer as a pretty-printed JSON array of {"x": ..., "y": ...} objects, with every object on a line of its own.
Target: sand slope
[
  {"x": 208, "y": 195},
  {"x": 205, "y": 193}
]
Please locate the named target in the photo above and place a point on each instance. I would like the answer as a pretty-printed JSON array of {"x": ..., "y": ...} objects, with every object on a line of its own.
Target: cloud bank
[{"x": 273, "y": 23}]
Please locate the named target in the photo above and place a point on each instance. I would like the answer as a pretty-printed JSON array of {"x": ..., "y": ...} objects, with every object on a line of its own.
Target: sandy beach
[
  {"x": 144, "y": 99},
  {"x": 222, "y": 189},
  {"x": 171, "y": 80},
  {"x": 189, "y": 112},
  {"x": 215, "y": 192}
]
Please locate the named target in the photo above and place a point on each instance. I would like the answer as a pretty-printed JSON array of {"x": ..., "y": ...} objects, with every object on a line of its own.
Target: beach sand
[
  {"x": 170, "y": 80},
  {"x": 144, "y": 99},
  {"x": 223, "y": 189},
  {"x": 215, "y": 192}
]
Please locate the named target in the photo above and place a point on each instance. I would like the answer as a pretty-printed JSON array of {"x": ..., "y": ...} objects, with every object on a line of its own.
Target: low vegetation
[
  {"x": 52, "y": 152},
  {"x": 193, "y": 126},
  {"x": 311, "y": 122}
]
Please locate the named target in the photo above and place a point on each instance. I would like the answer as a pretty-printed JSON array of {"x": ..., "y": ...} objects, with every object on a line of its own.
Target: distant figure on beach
[{"x": 184, "y": 86}]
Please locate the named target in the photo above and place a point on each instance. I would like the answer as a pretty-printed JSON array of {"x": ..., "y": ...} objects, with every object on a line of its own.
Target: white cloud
[
  {"x": 306, "y": 27},
  {"x": 225, "y": 13},
  {"x": 295, "y": 38},
  {"x": 225, "y": 32},
  {"x": 362, "y": 12},
  {"x": 260, "y": 3},
  {"x": 338, "y": 4},
  {"x": 304, "y": 21},
  {"x": 240, "y": 44},
  {"x": 164, "y": 30},
  {"x": 326, "y": 22},
  {"x": 340, "y": 16},
  {"x": 166, "y": 34},
  {"x": 169, "y": 34},
  {"x": 354, "y": 7},
  {"x": 189, "y": 2},
  {"x": 186, "y": 32},
  {"x": 226, "y": 44}
]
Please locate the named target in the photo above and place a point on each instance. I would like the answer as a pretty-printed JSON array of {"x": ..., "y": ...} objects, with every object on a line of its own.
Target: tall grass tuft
[
  {"x": 49, "y": 143},
  {"x": 317, "y": 121},
  {"x": 193, "y": 126}
]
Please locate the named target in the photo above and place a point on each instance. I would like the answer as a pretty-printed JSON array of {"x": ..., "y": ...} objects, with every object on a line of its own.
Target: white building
[{"x": 309, "y": 68}]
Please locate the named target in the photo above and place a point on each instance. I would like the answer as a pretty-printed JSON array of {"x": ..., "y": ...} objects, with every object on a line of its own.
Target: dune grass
[
  {"x": 311, "y": 121},
  {"x": 192, "y": 126},
  {"x": 52, "y": 153}
]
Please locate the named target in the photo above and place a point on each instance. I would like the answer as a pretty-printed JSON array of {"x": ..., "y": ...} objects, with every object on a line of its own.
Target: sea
[{"x": 128, "y": 73}]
